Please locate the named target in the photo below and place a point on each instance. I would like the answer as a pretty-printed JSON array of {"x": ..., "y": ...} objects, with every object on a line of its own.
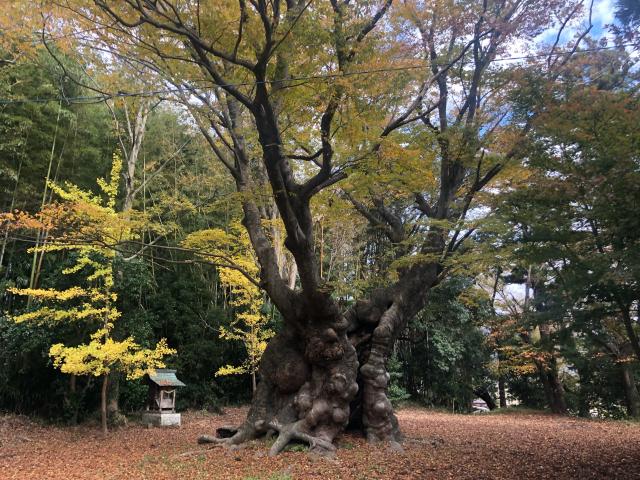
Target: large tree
[{"x": 406, "y": 103}]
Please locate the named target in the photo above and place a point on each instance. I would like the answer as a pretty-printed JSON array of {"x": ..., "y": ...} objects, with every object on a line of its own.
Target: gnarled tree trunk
[
  {"x": 307, "y": 382},
  {"x": 327, "y": 370},
  {"x": 317, "y": 378}
]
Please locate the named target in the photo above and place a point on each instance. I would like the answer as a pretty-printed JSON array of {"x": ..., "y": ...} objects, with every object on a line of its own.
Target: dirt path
[{"x": 437, "y": 446}]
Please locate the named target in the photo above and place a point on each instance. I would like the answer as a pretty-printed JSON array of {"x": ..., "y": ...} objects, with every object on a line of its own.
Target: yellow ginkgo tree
[
  {"x": 89, "y": 226},
  {"x": 231, "y": 252}
]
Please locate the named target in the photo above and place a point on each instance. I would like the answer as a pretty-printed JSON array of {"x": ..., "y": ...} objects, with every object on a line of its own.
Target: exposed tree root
[
  {"x": 296, "y": 431},
  {"x": 240, "y": 436}
]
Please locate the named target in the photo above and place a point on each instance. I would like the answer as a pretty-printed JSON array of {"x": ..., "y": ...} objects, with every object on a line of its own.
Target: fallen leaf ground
[{"x": 437, "y": 446}]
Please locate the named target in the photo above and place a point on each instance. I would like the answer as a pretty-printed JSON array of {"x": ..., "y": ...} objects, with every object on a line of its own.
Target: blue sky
[{"x": 603, "y": 14}]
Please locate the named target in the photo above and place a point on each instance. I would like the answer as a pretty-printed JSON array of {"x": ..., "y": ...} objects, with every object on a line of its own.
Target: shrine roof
[{"x": 164, "y": 377}]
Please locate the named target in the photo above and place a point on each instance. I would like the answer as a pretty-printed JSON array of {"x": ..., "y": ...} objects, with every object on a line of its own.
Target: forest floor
[{"x": 438, "y": 445}]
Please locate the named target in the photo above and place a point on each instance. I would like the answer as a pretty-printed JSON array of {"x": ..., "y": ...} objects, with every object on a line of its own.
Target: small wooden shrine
[{"x": 161, "y": 401}]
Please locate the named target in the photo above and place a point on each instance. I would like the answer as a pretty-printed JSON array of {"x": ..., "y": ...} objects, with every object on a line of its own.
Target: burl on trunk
[{"x": 318, "y": 375}]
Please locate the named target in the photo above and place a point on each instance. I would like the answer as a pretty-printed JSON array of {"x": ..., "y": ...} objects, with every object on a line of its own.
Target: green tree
[
  {"x": 575, "y": 219},
  {"x": 444, "y": 351}
]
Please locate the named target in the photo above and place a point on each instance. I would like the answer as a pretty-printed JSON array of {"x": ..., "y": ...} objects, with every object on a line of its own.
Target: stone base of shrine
[{"x": 161, "y": 419}]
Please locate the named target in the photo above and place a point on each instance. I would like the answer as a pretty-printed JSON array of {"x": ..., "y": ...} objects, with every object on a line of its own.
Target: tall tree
[{"x": 283, "y": 145}]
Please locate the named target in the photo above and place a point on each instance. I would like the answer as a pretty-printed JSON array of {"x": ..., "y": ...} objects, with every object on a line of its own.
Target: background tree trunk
[
  {"x": 103, "y": 403},
  {"x": 502, "y": 394},
  {"x": 630, "y": 390},
  {"x": 553, "y": 389},
  {"x": 484, "y": 394}
]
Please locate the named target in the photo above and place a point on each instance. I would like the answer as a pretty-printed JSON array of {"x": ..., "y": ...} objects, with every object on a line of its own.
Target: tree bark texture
[
  {"x": 553, "y": 388},
  {"x": 307, "y": 381},
  {"x": 630, "y": 390},
  {"x": 103, "y": 403},
  {"x": 327, "y": 370}
]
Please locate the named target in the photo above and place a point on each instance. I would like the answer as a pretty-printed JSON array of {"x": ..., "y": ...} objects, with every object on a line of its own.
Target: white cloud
[{"x": 603, "y": 12}]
